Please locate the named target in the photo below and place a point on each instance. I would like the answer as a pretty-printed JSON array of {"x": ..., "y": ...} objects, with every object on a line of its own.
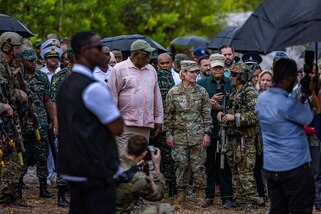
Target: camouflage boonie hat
[
  {"x": 189, "y": 65},
  {"x": 28, "y": 54},
  {"x": 178, "y": 59},
  {"x": 12, "y": 38},
  {"x": 240, "y": 68}
]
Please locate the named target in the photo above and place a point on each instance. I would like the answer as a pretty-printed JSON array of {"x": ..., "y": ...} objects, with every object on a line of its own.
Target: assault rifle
[{"x": 221, "y": 146}]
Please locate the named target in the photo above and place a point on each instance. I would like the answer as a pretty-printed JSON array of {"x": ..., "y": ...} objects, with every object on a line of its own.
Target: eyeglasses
[{"x": 218, "y": 69}]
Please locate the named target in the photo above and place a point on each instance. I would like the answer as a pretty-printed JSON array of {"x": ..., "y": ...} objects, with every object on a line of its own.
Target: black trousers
[
  {"x": 258, "y": 175},
  {"x": 92, "y": 197},
  {"x": 217, "y": 175},
  {"x": 291, "y": 191}
]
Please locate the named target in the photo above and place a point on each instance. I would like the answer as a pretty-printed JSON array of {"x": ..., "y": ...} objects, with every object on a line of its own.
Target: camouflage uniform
[
  {"x": 39, "y": 85},
  {"x": 165, "y": 83},
  {"x": 241, "y": 148},
  {"x": 56, "y": 82},
  {"x": 129, "y": 193},
  {"x": 187, "y": 119},
  {"x": 11, "y": 172},
  {"x": 40, "y": 63}
]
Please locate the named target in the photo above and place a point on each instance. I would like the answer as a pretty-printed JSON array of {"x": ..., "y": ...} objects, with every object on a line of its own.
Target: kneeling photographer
[{"x": 136, "y": 183}]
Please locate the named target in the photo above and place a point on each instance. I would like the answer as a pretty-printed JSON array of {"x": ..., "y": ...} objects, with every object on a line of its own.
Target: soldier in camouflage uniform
[
  {"x": 241, "y": 133},
  {"x": 137, "y": 184},
  {"x": 165, "y": 83},
  {"x": 188, "y": 125},
  {"x": 40, "y": 63},
  {"x": 39, "y": 85},
  {"x": 11, "y": 92},
  {"x": 56, "y": 81}
]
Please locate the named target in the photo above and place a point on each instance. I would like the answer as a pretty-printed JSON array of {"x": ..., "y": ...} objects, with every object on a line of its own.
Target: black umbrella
[
  {"x": 226, "y": 37},
  {"x": 278, "y": 24},
  {"x": 124, "y": 42},
  {"x": 8, "y": 23},
  {"x": 192, "y": 41}
]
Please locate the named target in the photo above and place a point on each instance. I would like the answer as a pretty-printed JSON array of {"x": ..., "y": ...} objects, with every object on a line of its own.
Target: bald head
[{"x": 164, "y": 61}]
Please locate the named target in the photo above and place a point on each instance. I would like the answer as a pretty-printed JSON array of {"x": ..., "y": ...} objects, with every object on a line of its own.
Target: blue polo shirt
[{"x": 285, "y": 145}]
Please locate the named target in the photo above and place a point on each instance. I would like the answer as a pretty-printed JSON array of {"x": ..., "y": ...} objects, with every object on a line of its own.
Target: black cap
[{"x": 251, "y": 58}]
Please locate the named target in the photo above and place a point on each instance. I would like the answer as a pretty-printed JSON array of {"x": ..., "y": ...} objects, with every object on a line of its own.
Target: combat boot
[
  {"x": 172, "y": 191},
  {"x": 62, "y": 202},
  {"x": 43, "y": 192},
  {"x": 205, "y": 202},
  {"x": 22, "y": 184},
  {"x": 18, "y": 191},
  {"x": 181, "y": 195}
]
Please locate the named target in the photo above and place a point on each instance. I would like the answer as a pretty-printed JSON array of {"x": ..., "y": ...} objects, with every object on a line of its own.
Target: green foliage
[{"x": 161, "y": 20}]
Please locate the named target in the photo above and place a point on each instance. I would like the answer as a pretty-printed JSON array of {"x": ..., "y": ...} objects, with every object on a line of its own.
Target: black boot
[
  {"x": 172, "y": 191},
  {"x": 43, "y": 189},
  {"x": 62, "y": 202},
  {"x": 18, "y": 191},
  {"x": 22, "y": 184}
]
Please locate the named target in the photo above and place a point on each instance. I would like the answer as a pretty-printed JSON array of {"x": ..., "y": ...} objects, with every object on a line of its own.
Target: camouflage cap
[
  {"x": 141, "y": 44},
  {"x": 239, "y": 68},
  {"x": 37, "y": 44},
  {"x": 189, "y": 65},
  {"x": 178, "y": 59},
  {"x": 153, "y": 55},
  {"x": 28, "y": 54},
  {"x": 217, "y": 60},
  {"x": 12, "y": 38}
]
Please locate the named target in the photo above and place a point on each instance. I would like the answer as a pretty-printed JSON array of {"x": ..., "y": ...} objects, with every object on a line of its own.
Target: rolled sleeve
[{"x": 98, "y": 100}]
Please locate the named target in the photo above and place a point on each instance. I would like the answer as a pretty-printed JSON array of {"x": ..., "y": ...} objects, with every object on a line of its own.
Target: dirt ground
[{"x": 43, "y": 206}]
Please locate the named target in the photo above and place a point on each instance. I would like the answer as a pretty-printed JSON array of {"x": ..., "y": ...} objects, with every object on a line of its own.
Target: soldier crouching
[{"x": 133, "y": 184}]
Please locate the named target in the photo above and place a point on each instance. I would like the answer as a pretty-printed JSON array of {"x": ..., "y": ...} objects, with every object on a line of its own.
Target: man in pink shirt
[{"x": 134, "y": 87}]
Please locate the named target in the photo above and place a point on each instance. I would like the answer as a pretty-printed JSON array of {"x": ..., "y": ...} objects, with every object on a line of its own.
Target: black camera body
[
  {"x": 308, "y": 67},
  {"x": 150, "y": 149}
]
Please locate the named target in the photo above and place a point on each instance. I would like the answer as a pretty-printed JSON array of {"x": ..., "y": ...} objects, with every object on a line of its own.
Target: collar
[
  {"x": 131, "y": 65},
  {"x": 98, "y": 70},
  {"x": 45, "y": 69},
  {"x": 190, "y": 89},
  {"x": 81, "y": 69},
  {"x": 278, "y": 90},
  {"x": 224, "y": 79}
]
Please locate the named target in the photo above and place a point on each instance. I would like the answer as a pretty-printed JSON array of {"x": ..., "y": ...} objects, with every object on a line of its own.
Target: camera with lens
[{"x": 150, "y": 149}]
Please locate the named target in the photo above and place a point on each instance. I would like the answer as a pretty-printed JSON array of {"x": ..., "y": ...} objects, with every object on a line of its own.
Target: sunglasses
[{"x": 99, "y": 47}]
